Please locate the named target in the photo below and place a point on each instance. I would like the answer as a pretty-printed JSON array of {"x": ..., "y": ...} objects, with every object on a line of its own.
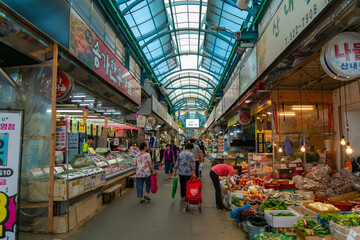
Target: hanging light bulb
[
  {"x": 343, "y": 142},
  {"x": 280, "y": 149},
  {"x": 302, "y": 149},
  {"x": 348, "y": 149}
]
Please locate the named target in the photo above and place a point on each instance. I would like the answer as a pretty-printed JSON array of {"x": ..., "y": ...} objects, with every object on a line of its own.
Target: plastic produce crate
[
  {"x": 280, "y": 222},
  {"x": 255, "y": 230},
  {"x": 342, "y": 232}
]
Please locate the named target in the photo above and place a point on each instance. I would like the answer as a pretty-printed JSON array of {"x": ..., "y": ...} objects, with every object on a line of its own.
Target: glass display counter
[{"x": 260, "y": 164}]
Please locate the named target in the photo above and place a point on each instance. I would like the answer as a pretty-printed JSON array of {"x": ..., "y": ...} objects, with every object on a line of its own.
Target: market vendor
[
  {"x": 223, "y": 170},
  {"x": 87, "y": 144}
]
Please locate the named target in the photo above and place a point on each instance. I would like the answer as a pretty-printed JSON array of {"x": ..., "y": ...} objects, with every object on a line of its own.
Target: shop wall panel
[{"x": 50, "y": 16}]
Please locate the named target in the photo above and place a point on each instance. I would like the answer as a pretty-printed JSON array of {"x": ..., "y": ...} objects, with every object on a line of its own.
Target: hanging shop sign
[
  {"x": 88, "y": 128},
  {"x": 74, "y": 125},
  {"x": 340, "y": 57},
  {"x": 244, "y": 117},
  {"x": 65, "y": 86},
  {"x": 232, "y": 93},
  {"x": 140, "y": 121},
  {"x": 260, "y": 142},
  {"x": 81, "y": 126},
  {"x": 232, "y": 121},
  {"x": 10, "y": 151},
  {"x": 289, "y": 21},
  {"x": 105, "y": 128},
  {"x": 261, "y": 105},
  {"x": 85, "y": 114},
  {"x": 99, "y": 130},
  {"x": 61, "y": 136},
  {"x": 92, "y": 51},
  {"x": 116, "y": 142},
  {"x": 248, "y": 73},
  {"x": 94, "y": 129},
  {"x": 150, "y": 122}
]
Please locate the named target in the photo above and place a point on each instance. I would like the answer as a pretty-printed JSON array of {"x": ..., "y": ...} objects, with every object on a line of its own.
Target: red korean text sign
[
  {"x": 91, "y": 50},
  {"x": 61, "y": 136}
]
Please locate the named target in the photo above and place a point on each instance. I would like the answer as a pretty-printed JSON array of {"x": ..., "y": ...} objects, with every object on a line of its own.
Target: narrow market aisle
[{"x": 163, "y": 218}]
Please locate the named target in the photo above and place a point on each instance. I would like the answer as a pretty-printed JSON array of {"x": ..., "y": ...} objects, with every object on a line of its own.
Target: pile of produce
[
  {"x": 245, "y": 214},
  {"x": 323, "y": 183},
  {"x": 351, "y": 220},
  {"x": 282, "y": 214},
  {"x": 237, "y": 202},
  {"x": 273, "y": 204},
  {"x": 267, "y": 169},
  {"x": 244, "y": 166},
  {"x": 258, "y": 181},
  {"x": 323, "y": 206},
  {"x": 311, "y": 227},
  {"x": 243, "y": 182},
  {"x": 311, "y": 157},
  {"x": 271, "y": 236}
]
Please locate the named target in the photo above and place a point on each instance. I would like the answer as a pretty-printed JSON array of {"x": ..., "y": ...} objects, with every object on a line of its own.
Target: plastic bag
[
  {"x": 174, "y": 187},
  {"x": 153, "y": 182}
]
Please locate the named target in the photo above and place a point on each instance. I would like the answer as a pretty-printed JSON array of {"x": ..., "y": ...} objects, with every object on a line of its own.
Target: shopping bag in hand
[
  {"x": 174, "y": 186},
  {"x": 193, "y": 189},
  {"x": 153, "y": 182}
]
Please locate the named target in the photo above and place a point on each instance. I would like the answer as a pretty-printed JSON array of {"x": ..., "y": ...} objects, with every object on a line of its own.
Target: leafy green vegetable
[
  {"x": 270, "y": 235},
  {"x": 332, "y": 217},
  {"x": 282, "y": 214},
  {"x": 273, "y": 204},
  {"x": 311, "y": 227}
]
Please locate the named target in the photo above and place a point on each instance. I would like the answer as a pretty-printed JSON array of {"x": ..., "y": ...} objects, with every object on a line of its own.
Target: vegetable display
[
  {"x": 237, "y": 202},
  {"x": 311, "y": 227},
  {"x": 273, "y": 204},
  {"x": 332, "y": 217},
  {"x": 282, "y": 214},
  {"x": 271, "y": 236},
  {"x": 322, "y": 206}
]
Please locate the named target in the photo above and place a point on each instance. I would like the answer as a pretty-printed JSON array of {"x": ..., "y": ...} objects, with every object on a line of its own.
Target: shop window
[
  {"x": 97, "y": 22},
  {"x": 83, "y": 8}
]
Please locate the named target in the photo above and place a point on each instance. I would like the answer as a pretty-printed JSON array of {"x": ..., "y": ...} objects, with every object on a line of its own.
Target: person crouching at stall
[
  {"x": 185, "y": 165},
  {"x": 144, "y": 169},
  {"x": 223, "y": 170},
  {"x": 169, "y": 160}
]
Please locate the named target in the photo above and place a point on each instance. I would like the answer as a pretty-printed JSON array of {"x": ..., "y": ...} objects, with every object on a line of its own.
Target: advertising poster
[
  {"x": 94, "y": 129},
  {"x": 141, "y": 120},
  {"x": 99, "y": 130},
  {"x": 60, "y": 136},
  {"x": 248, "y": 73},
  {"x": 74, "y": 126},
  {"x": 88, "y": 128},
  {"x": 10, "y": 138},
  {"x": 81, "y": 126},
  {"x": 92, "y": 51}
]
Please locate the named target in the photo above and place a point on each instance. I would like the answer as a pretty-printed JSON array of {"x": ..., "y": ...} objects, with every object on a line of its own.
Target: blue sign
[{"x": 3, "y": 148}]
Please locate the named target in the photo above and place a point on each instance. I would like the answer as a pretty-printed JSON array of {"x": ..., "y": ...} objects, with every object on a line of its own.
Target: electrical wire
[{"x": 346, "y": 115}]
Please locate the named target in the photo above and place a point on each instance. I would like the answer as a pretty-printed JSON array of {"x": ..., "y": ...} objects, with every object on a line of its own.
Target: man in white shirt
[{"x": 198, "y": 156}]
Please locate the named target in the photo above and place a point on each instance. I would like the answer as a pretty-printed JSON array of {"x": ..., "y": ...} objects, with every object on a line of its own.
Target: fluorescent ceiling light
[
  {"x": 110, "y": 110},
  {"x": 101, "y": 111},
  {"x": 89, "y": 100},
  {"x": 287, "y": 114},
  {"x": 247, "y": 101},
  {"x": 117, "y": 113},
  {"x": 107, "y": 113},
  {"x": 84, "y": 104},
  {"x": 302, "y": 107},
  {"x": 79, "y": 96},
  {"x": 69, "y": 110},
  {"x": 76, "y": 100}
]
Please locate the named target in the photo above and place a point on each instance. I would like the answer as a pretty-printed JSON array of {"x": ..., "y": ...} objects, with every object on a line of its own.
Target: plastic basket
[{"x": 256, "y": 230}]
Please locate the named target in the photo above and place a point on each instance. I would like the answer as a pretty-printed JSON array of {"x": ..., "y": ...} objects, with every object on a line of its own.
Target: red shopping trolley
[{"x": 193, "y": 193}]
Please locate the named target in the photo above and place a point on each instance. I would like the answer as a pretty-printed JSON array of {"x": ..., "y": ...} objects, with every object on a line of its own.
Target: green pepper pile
[
  {"x": 311, "y": 227},
  {"x": 273, "y": 204}
]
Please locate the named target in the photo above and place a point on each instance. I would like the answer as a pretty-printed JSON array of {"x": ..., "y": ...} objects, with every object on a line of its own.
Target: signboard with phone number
[{"x": 10, "y": 135}]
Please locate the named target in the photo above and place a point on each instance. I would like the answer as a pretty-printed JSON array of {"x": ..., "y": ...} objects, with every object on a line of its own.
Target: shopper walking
[
  {"x": 198, "y": 156},
  {"x": 185, "y": 165},
  {"x": 174, "y": 148},
  {"x": 168, "y": 160},
  {"x": 144, "y": 169},
  {"x": 223, "y": 170}
]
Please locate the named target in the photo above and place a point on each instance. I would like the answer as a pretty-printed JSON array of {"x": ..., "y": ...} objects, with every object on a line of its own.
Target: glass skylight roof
[{"x": 175, "y": 36}]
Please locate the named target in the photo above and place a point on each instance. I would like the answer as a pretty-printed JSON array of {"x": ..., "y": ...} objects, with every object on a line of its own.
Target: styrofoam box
[
  {"x": 302, "y": 211},
  {"x": 278, "y": 222},
  {"x": 342, "y": 232}
]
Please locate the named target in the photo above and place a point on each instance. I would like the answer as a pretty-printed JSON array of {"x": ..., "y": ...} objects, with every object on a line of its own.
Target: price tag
[{"x": 352, "y": 235}]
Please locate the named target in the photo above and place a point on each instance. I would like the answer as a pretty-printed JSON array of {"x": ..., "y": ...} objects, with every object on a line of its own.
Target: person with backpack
[{"x": 169, "y": 160}]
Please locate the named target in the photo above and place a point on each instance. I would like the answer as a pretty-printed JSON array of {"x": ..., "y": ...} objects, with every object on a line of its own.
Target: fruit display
[
  {"x": 243, "y": 182},
  {"x": 258, "y": 181},
  {"x": 322, "y": 206},
  {"x": 267, "y": 169},
  {"x": 244, "y": 166}
]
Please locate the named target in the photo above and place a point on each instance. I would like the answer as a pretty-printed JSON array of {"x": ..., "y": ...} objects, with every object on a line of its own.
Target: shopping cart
[{"x": 193, "y": 194}]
